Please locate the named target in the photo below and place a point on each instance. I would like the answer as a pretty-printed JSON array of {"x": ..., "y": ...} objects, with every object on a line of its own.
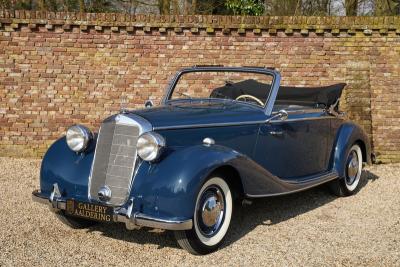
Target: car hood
[{"x": 185, "y": 114}]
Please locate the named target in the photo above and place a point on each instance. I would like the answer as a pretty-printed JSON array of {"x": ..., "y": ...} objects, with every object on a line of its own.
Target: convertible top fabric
[{"x": 314, "y": 96}]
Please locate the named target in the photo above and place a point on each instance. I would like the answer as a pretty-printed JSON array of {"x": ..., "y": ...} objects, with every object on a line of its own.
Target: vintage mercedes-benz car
[{"x": 220, "y": 134}]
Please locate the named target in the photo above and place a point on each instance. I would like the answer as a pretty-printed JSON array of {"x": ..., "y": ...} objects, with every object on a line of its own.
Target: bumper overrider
[{"x": 131, "y": 219}]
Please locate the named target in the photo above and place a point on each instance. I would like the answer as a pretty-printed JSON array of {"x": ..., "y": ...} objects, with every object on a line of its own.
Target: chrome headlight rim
[
  {"x": 81, "y": 132},
  {"x": 150, "y": 146}
]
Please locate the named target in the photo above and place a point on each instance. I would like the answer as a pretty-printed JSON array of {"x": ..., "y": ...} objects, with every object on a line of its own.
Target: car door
[{"x": 294, "y": 148}]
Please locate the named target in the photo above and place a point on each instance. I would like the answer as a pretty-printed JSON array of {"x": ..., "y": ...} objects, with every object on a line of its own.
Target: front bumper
[{"x": 131, "y": 220}]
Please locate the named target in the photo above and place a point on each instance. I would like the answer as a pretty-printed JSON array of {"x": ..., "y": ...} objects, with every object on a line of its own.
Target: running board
[
  {"x": 312, "y": 178},
  {"x": 301, "y": 184}
]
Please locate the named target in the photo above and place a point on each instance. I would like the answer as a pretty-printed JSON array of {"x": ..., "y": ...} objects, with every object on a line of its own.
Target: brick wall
[{"x": 57, "y": 69}]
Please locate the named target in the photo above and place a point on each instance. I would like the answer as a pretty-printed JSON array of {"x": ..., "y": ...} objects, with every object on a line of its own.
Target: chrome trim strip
[
  {"x": 312, "y": 178},
  {"x": 304, "y": 119},
  {"x": 324, "y": 178},
  {"x": 136, "y": 220},
  {"x": 223, "y": 124},
  {"x": 204, "y": 125},
  {"x": 302, "y": 111}
]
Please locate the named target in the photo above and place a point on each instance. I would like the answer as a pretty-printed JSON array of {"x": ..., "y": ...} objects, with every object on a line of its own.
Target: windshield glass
[{"x": 247, "y": 87}]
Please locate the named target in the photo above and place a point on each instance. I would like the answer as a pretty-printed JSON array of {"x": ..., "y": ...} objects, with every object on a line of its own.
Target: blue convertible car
[{"x": 220, "y": 134}]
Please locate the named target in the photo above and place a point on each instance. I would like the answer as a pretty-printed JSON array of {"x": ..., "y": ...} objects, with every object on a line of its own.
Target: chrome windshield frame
[{"x": 276, "y": 79}]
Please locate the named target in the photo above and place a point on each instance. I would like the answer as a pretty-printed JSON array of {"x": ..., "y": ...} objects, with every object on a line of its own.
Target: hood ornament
[{"x": 123, "y": 104}]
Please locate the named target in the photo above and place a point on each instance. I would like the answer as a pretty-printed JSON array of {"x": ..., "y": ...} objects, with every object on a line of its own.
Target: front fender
[
  {"x": 165, "y": 189},
  {"x": 68, "y": 169},
  {"x": 348, "y": 134},
  {"x": 169, "y": 188}
]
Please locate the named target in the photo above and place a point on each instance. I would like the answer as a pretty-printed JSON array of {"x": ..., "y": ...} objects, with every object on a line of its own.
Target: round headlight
[
  {"x": 150, "y": 145},
  {"x": 78, "y": 137}
]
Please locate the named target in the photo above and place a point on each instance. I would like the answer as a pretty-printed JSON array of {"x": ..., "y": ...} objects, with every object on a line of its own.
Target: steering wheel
[{"x": 252, "y": 98}]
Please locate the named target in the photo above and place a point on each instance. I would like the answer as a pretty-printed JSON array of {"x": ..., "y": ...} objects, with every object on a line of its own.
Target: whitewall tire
[
  {"x": 349, "y": 184},
  {"x": 211, "y": 218}
]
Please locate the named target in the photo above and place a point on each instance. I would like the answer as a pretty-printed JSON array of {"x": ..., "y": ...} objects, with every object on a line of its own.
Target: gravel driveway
[{"x": 309, "y": 228}]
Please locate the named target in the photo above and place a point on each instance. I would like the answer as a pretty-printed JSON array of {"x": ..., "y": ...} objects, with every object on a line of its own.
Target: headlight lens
[
  {"x": 78, "y": 137},
  {"x": 150, "y": 145}
]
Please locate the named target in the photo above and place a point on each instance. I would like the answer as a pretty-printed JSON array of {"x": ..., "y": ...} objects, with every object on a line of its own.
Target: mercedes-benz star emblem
[{"x": 104, "y": 194}]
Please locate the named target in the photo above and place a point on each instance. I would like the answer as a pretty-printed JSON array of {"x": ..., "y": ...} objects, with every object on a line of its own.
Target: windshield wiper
[
  {"x": 220, "y": 94},
  {"x": 215, "y": 94},
  {"x": 184, "y": 94}
]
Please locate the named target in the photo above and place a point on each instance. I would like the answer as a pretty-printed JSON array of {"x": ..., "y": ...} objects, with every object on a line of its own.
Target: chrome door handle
[{"x": 276, "y": 133}]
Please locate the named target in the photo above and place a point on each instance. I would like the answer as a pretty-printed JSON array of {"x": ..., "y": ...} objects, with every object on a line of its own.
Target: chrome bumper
[{"x": 131, "y": 220}]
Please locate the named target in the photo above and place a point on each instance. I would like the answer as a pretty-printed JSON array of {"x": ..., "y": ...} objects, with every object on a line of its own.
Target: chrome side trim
[
  {"x": 301, "y": 111},
  {"x": 131, "y": 220},
  {"x": 205, "y": 125},
  {"x": 312, "y": 178},
  {"x": 223, "y": 124},
  {"x": 304, "y": 119},
  {"x": 323, "y": 179}
]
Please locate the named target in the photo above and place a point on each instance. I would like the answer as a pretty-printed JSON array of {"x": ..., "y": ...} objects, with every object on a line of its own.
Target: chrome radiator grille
[{"x": 115, "y": 158}]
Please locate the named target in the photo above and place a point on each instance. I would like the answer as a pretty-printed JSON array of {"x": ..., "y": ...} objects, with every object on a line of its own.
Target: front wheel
[
  {"x": 349, "y": 184},
  {"x": 212, "y": 217}
]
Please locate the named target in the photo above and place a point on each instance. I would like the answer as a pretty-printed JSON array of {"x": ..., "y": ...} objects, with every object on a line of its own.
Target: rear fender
[{"x": 348, "y": 134}]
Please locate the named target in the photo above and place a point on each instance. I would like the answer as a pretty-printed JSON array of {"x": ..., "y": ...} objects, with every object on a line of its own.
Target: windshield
[{"x": 247, "y": 87}]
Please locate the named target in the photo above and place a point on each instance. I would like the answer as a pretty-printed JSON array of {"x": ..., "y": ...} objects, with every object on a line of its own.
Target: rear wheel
[
  {"x": 212, "y": 217},
  {"x": 73, "y": 222},
  {"x": 349, "y": 184}
]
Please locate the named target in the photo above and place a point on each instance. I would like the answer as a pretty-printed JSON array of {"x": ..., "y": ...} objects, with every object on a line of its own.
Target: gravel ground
[{"x": 309, "y": 228}]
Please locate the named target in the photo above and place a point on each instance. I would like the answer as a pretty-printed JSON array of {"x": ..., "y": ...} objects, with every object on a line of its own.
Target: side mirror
[
  {"x": 148, "y": 104},
  {"x": 281, "y": 115}
]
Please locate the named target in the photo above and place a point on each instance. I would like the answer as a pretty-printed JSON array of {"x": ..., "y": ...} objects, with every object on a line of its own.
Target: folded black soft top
[{"x": 310, "y": 96}]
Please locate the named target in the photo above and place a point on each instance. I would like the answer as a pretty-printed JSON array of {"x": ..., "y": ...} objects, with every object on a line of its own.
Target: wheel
[
  {"x": 74, "y": 222},
  {"x": 211, "y": 218},
  {"x": 348, "y": 185}
]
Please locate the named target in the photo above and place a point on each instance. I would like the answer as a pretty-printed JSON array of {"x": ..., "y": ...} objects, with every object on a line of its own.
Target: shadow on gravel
[
  {"x": 140, "y": 236},
  {"x": 273, "y": 210},
  {"x": 267, "y": 211}
]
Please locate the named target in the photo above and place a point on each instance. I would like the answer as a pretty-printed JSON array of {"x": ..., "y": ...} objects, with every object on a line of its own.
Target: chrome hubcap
[
  {"x": 352, "y": 168},
  {"x": 211, "y": 210}
]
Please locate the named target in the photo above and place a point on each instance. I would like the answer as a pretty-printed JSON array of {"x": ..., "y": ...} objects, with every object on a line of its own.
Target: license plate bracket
[{"x": 89, "y": 211}]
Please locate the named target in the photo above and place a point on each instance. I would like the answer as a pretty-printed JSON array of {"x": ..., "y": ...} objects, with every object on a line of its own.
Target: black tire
[
  {"x": 211, "y": 224},
  {"x": 349, "y": 185},
  {"x": 74, "y": 222}
]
